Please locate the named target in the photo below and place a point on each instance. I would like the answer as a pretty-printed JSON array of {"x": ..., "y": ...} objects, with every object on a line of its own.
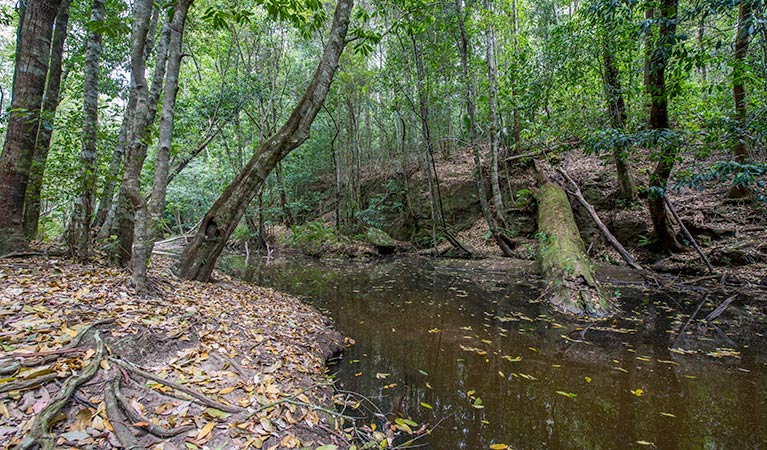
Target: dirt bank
[{"x": 222, "y": 365}]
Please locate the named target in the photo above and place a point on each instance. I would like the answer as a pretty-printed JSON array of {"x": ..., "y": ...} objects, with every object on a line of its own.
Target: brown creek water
[{"x": 473, "y": 353}]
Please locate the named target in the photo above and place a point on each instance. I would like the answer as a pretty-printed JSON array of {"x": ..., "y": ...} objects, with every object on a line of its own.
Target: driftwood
[
  {"x": 687, "y": 233},
  {"x": 720, "y": 309},
  {"x": 576, "y": 192}
]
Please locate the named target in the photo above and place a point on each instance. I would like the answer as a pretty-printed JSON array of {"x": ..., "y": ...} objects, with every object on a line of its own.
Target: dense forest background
[{"x": 654, "y": 88}]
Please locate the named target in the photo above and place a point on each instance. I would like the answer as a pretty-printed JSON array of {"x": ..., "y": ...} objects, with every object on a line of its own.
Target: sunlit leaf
[{"x": 567, "y": 394}]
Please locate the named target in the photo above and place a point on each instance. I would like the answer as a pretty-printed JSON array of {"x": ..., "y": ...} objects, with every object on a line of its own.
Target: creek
[{"x": 472, "y": 353}]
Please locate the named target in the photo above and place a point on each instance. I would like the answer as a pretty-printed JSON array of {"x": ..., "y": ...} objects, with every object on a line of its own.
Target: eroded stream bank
[{"x": 441, "y": 341}]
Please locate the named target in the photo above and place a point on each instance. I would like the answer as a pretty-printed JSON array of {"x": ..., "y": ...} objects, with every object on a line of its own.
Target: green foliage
[{"x": 749, "y": 176}]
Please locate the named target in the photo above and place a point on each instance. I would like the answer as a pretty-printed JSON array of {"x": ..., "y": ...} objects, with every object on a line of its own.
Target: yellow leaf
[
  {"x": 499, "y": 447},
  {"x": 638, "y": 392},
  {"x": 205, "y": 431},
  {"x": 227, "y": 390}
]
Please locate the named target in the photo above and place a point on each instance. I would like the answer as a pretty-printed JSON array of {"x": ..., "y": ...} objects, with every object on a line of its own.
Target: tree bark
[
  {"x": 664, "y": 229},
  {"x": 45, "y": 129},
  {"x": 199, "y": 258},
  {"x": 106, "y": 203},
  {"x": 148, "y": 216},
  {"x": 471, "y": 110},
  {"x": 571, "y": 286},
  {"x": 129, "y": 198},
  {"x": 500, "y": 209},
  {"x": 30, "y": 72},
  {"x": 79, "y": 242},
  {"x": 617, "y": 109}
]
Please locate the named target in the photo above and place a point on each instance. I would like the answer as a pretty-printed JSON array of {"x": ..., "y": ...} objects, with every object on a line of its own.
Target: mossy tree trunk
[{"x": 571, "y": 286}]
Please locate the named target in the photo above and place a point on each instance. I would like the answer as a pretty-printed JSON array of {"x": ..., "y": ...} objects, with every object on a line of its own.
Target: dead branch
[
  {"x": 181, "y": 388},
  {"x": 139, "y": 421},
  {"x": 116, "y": 418},
  {"x": 687, "y": 233},
  {"x": 39, "y": 433},
  {"x": 720, "y": 309},
  {"x": 576, "y": 192}
]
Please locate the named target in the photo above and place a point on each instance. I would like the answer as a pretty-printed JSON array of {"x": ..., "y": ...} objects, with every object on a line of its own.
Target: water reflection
[{"x": 444, "y": 337}]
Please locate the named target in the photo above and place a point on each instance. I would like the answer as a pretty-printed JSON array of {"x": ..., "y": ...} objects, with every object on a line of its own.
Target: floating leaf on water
[
  {"x": 588, "y": 379},
  {"x": 638, "y": 392},
  {"x": 510, "y": 359},
  {"x": 477, "y": 403},
  {"x": 426, "y": 405},
  {"x": 381, "y": 376},
  {"x": 499, "y": 447},
  {"x": 646, "y": 443},
  {"x": 435, "y": 330},
  {"x": 423, "y": 372},
  {"x": 567, "y": 394},
  {"x": 667, "y": 414},
  {"x": 428, "y": 386}
]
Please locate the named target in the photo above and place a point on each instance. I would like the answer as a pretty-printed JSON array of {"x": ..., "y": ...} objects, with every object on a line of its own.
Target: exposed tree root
[
  {"x": 181, "y": 388},
  {"x": 123, "y": 433},
  {"x": 27, "y": 384},
  {"x": 135, "y": 418},
  {"x": 39, "y": 433}
]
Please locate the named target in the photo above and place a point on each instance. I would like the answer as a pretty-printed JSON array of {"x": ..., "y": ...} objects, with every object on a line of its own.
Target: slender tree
[
  {"x": 79, "y": 242},
  {"x": 30, "y": 72},
  {"x": 492, "y": 73},
  {"x": 661, "y": 219},
  {"x": 739, "y": 73},
  {"x": 148, "y": 215},
  {"x": 471, "y": 111}
]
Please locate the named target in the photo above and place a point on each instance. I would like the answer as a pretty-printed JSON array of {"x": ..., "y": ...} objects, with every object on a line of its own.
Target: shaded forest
[{"x": 128, "y": 123}]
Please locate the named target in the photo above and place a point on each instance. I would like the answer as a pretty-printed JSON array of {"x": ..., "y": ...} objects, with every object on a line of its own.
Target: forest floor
[{"x": 193, "y": 365}]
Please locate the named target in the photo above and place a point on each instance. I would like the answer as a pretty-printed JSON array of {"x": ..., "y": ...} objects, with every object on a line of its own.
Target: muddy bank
[{"x": 222, "y": 365}]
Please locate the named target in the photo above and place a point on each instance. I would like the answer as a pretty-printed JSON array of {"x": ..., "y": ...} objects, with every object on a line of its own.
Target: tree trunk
[
  {"x": 199, "y": 258},
  {"x": 617, "y": 109},
  {"x": 471, "y": 109},
  {"x": 283, "y": 196},
  {"x": 45, "y": 129},
  {"x": 571, "y": 286},
  {"x": 106, "y": 204},
  {"x": 130, "y": 198},
  {"x": 79, "y": 242},
  {"x": 664, "y": 229},
  {"x": 147, "y": 219},
  {"x": 500, "y": 209},
  {"x": 30, "y": 72},
  {"x": 739, "y": 73}
]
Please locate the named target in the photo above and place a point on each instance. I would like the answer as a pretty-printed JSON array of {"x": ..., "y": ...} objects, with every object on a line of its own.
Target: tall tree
[
  {"x": 129, "y": 197},
  {"x": 659, "y": 121},
  {"x": 471, "y": 111},
  {"x": 148, "y": 215},
  {"x": 45, "y": 129},
  {"x": 616, "y": 107},
  {"x": 492, "y": 74},
  {"x": 31, "y": 69},
  {"x": 199, "y": 258},
  {"x": 79, "y": 242},
  {"x": 739, "y": 74}
]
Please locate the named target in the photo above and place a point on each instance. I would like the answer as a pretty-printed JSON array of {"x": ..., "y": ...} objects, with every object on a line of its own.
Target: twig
[
  {"x": 137, "y": 419},
  {"x": 191, "y": 392},
  {"x": 687, "y": 233},
  {"x": 39, "y": 433},
  {"x": 123, "y": 433}
]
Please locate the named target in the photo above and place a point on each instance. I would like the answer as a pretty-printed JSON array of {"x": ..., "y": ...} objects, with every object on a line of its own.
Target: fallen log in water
[{"x": 571, "y": 286}]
